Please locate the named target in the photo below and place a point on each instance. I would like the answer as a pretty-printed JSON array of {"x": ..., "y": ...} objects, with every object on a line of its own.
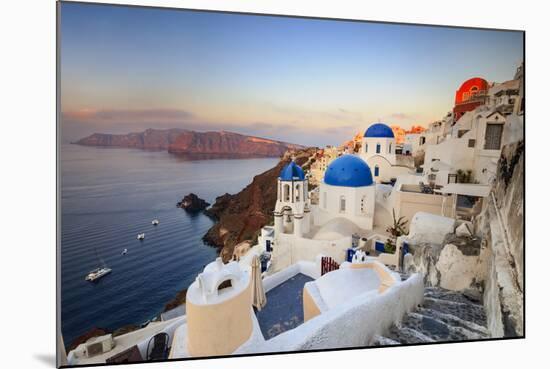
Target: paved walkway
[{"x": 284, "y": 309}]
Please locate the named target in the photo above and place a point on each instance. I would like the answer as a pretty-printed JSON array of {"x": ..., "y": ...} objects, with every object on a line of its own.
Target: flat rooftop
[{"x": 284, "y": 309}]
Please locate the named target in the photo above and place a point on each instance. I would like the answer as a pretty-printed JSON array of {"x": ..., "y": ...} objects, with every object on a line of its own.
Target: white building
[
  {"x": 378, "y": 151},
  {"x": 346, "y": 207},
  {"x": 347, "y": 191},
  {"x": 474, "y": 147}
]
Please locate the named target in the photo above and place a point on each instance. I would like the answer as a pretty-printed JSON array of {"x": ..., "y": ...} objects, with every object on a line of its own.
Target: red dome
[{"x": 469, "y": 89}]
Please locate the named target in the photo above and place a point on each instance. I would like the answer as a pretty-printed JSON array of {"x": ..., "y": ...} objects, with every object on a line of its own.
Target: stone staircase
[{"x": 443, "y": 316}]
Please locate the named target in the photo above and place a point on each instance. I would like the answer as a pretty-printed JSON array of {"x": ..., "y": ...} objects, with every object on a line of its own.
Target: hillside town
[{"x": 397, "y": 236}]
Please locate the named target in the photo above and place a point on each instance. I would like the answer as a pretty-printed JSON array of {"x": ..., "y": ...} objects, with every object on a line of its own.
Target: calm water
[{"x": 111, "y": 195}]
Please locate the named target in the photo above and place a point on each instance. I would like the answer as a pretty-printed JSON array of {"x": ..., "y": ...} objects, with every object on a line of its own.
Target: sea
[{"x": 108, "y": 196}]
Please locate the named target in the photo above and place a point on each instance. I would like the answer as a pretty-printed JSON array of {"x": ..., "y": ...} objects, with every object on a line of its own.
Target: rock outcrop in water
[
  {"x": 192, "y": 203},
  {"x": 241, "y": 216},
  {"x": 196, "y": 144}
]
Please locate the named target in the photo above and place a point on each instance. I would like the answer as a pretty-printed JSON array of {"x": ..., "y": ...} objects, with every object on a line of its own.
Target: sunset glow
[{"x": 313, "y": 81}]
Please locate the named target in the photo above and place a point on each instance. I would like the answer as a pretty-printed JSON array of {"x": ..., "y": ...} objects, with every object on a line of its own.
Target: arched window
[
  {"x": 376, "y": 171},
  {"x": 286, "y": 192},
  {"x": 389, "y": 150},
  {"x": 297, "y": 192},
  {"x": 342, "y": 204},
  {"x": 366, "y": 148},
  {"x": 378, "y": 148}
]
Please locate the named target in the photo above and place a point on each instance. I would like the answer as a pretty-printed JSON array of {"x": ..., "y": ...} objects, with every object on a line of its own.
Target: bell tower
[{"x": 292, "y": 208}]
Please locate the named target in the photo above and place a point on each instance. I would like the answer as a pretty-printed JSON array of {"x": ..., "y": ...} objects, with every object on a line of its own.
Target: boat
[
  {"x": 141, "y": 236},
  {"x": 155, "y": 222},
  {"x": 98, "y": 273},
  {"x": 124, "y": 252}
]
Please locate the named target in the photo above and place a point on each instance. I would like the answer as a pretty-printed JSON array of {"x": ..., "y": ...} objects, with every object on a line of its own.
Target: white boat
[
  {"x": 155, "y": 222},
  {"x": 98, "y": 273},
  {"x": 141, "y": 236},
  {"x": 124, "y": 252}
]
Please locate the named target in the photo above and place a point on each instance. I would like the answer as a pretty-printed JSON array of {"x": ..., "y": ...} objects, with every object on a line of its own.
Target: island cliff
[
  {"x": 241, "y": 216},
  {"x": 180, "y": 141}
]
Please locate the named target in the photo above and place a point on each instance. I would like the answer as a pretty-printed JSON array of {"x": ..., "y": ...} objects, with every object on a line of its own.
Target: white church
[
  {"x": 378, "y": 151},
  {"x": 346, "y": 192}
]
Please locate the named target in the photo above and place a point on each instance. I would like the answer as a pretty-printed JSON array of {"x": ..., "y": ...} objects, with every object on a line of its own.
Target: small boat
[
  {"x": 124, "y": 252},
  {"x": 95, "y": 274},
  {"x": 155, "y": 222},
  {"x": 141, "y": 236}
]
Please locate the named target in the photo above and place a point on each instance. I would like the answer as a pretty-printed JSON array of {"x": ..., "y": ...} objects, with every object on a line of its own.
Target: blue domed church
[
  {"x": 378, "y": 151},
  {"x": 347, "y": 191}
]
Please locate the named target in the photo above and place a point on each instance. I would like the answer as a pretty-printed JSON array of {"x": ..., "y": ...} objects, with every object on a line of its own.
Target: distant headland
[{"x": 213, "y": 144}]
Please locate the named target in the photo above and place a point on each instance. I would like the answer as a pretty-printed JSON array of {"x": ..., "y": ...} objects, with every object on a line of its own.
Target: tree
[{"x": 396, "y": 230}]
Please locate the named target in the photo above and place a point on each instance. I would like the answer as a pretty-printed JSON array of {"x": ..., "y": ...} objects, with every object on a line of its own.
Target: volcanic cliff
[{"x": 180, "y": 141}]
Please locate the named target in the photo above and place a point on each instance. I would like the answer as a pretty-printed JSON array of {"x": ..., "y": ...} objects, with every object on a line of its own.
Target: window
[
  {"x": 286, "y": 192},
  {"x": 364, "y": 204},
  {"x": 378, "y": 148},
  {"x": 422, "y": 140},
  {"x": 493, "y": 136},
  {"x": 389, "y": 150},
  {"x": 366, "y": 148},
  {"x": 342, "y": 204},
  {"x": 297, "y": 192},
  {"x": 471, "y": 143},
  {"x": 376, "y": 171}
]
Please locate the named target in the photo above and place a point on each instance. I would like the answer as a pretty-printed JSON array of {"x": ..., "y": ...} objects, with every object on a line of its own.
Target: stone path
[
  {"x": 443, "y": 316},
  {"x": 284, "y": 309}
]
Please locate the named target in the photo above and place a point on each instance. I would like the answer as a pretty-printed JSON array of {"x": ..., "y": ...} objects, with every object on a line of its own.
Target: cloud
[
  {"x": 127, "y": 115},
  {"x": 401, "y": 116}
]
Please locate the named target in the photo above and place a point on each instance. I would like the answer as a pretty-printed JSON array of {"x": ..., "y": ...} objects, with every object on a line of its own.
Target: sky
[{"x": 305, "y": 81}]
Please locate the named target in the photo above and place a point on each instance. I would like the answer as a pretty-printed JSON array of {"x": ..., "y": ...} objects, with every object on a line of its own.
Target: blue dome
[
  {"x": 379, "y": 130},
  {"x": 292, "y": 172},
  {"x": 348, "y": 171}
]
